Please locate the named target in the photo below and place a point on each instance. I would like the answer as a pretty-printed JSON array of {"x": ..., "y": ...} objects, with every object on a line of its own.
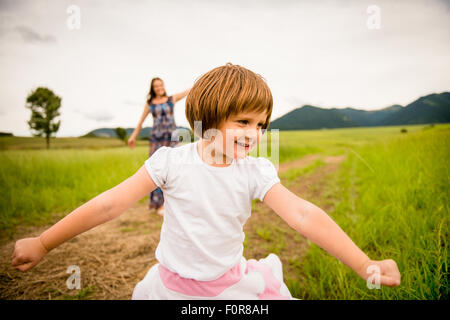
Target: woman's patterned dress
[{"x": 161, "y": 135}]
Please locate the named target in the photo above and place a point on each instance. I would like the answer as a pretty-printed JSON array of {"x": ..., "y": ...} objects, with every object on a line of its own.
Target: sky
[{"x": 331, "y": 54}]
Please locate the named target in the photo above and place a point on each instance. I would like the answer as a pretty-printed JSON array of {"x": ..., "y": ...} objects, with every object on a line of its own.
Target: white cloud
[
  {"x": 98, "y": 115},
  {"x": 30, "y": 35}
]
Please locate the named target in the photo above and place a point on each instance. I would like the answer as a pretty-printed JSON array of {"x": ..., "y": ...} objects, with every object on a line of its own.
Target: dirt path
[
  {"x": 266, "y": 232},
  {"x": 113, "y": 257},
  {"x": 300, "y": 163}
]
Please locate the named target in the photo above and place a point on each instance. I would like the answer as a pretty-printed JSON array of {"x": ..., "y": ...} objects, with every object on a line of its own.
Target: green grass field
[
  {"x": 35, "y": 143},
  {"x": 392, "y": 199},
  {"x": 391, "y": 196}
]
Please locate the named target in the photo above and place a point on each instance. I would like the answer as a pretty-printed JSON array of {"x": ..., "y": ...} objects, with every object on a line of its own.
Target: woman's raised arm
[
  {"x": 134, "y": 135},
  {"x": 181, "y": 95}
]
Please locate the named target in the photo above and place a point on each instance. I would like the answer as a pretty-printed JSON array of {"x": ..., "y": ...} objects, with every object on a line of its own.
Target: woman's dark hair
[{"x": 151, "y": 93}]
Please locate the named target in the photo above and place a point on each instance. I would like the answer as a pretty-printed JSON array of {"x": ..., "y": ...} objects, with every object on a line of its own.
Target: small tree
[
  {"x": 121, "y": 134},
  {"x": 44, "y": 106}
]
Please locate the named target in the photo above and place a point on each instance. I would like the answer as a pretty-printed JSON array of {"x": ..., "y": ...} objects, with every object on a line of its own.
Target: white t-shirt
[{"x": 205, "y": 208}]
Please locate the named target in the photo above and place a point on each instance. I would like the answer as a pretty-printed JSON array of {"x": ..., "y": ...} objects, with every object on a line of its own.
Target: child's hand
[
  {"x": 386, "y": 270},
  {"x": 27, "y": 253}
]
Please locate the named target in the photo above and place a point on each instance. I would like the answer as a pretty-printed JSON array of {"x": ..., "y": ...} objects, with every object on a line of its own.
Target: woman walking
[{"x": 162, "y": 108}]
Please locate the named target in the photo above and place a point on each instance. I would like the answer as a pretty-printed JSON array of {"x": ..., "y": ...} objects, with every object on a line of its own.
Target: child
[{"x": 208, "y": 187}]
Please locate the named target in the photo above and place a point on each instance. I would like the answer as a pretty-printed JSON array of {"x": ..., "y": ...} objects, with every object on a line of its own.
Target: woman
[{"x": 161, "y": 106}]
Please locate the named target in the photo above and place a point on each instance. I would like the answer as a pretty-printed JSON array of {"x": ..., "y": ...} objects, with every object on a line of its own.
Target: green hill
[
  {"x": 433, "y": 108},
  {"x": 310, "y": 117},
  {"x": 110, "y": 132},
  {"x": 369, "y": 118}
]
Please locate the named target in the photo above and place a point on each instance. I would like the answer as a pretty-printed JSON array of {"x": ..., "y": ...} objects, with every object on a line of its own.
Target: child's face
[{"x": 240, "y": 134}]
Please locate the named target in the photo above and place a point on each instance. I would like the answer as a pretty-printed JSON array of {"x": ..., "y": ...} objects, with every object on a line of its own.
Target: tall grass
[
  {"x": 38, "y": 183},
  {"x": 36, "y": 143},
  {"x": 392, "y": 199},
  {"x": 296, "y": 144}
]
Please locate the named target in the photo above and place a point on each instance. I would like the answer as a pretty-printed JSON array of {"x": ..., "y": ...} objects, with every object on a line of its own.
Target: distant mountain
[
  {"x": 433, "y": 108},
  {"x": 369, "y": 118},
  {"x": 111, "y": 133},
  {"x": 309, "y": 117}
]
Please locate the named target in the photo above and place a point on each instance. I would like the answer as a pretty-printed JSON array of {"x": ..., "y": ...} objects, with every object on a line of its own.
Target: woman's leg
[{"x": 156, "y": 198}]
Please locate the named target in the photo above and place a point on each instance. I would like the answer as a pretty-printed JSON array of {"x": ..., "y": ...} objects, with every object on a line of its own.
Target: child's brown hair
[{"x": 225, "y": 91}]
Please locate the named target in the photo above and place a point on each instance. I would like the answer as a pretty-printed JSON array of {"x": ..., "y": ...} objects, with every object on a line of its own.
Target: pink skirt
[{"x": 248, "y": 280}]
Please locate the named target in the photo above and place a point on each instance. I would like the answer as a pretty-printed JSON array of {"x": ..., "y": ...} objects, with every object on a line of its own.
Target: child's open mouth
[{"x": 243, "y": 145}]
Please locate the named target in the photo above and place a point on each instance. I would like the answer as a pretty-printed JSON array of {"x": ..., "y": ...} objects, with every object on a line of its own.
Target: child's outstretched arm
[
  {"x": 104, "y": 207},
  {"x": 313, "y": 223}
]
